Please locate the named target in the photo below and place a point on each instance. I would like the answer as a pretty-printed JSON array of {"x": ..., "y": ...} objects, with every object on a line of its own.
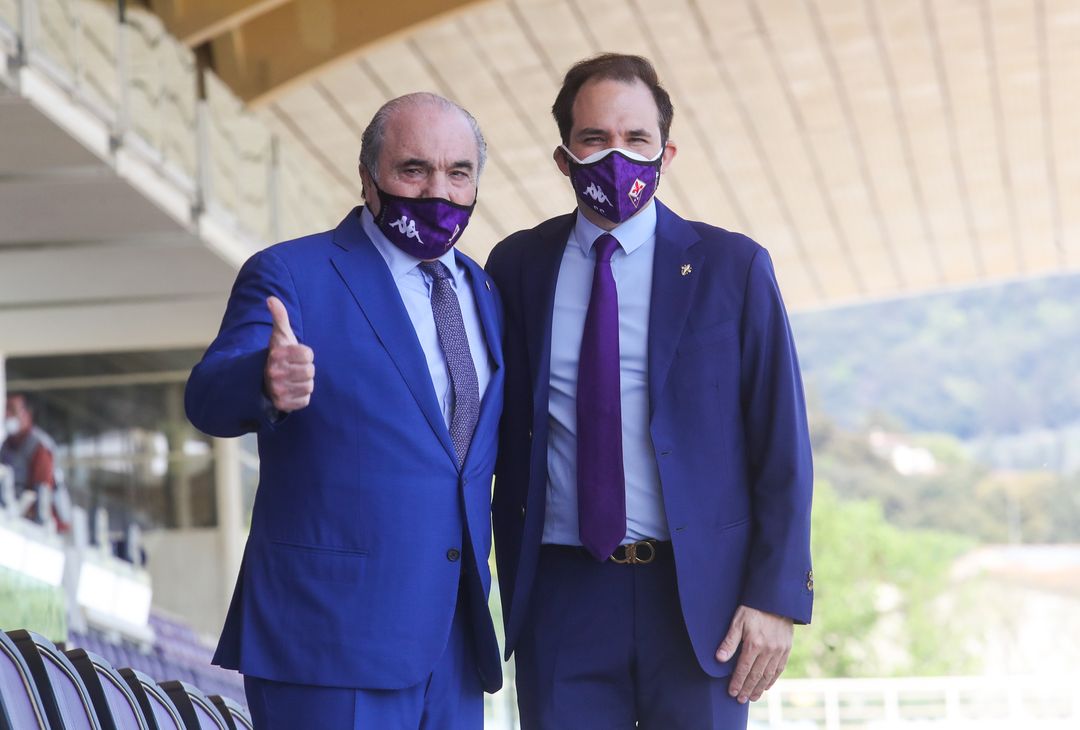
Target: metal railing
[
  {"x": 949, "y": 703},
  {"x": 892, "y": 703},
  {"x": 141, "y": 88}
]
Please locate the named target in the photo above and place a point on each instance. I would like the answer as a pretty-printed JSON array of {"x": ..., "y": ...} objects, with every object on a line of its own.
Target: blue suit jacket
[
  {"x": 349, "y": 577},
  {"x": 728, "y": 424}
]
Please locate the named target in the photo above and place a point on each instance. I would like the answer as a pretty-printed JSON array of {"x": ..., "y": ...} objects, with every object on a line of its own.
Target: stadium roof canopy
[{"x": 878, "y": 148}]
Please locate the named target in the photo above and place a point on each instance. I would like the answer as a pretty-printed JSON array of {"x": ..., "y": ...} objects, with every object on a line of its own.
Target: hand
[
  {"x": 766, "y": 644},
  {"x": 289, "y": 375}
]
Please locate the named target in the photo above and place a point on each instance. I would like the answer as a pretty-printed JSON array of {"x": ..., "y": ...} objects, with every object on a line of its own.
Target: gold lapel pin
[{"x": 685, "y": 269}]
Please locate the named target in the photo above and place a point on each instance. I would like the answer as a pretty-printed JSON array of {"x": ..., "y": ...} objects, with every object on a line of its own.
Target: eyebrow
[
  {"x": 420, "y": 162},
  {"x": 587, "y": 131}
]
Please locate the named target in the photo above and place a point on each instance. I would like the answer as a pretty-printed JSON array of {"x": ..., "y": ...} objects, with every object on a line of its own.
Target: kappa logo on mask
[
  {"x": 635, "y": 192},
  {"x": 594, "y": 192},
  {"x": 407, "y": 228}
]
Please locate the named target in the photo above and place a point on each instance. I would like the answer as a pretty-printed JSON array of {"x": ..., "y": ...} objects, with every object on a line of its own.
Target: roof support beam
[
  {"x": 197, "y": 21},
  {"x": 135, "y": 324},
  {"x": 274, "y": 50}
]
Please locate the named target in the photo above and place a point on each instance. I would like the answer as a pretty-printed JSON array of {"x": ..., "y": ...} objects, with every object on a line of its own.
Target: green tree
[{"x": 876, "y": 585}]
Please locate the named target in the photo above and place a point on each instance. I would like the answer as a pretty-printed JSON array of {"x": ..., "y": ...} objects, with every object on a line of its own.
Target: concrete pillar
[
  {"x": 178, "y": 480},
  {"x": 228, "y": 490}
]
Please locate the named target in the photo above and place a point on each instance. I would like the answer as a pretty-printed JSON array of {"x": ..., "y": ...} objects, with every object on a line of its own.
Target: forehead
[
  {"x": 429, "y": 132},
  {"x": 607, "y": 103}
]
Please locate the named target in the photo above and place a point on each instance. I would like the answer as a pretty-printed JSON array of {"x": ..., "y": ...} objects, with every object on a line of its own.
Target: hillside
[{"x": 993, "y": 361}]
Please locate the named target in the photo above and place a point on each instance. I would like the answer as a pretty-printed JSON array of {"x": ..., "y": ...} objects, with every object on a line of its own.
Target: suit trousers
[
  {"x": 605, "y": 648},
  {"x": 450, "y": 698}
]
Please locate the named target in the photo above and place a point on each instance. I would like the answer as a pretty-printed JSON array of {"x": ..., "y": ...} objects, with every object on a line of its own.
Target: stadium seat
[
  {"x": 196, "y": 708},
  {"x": 157, "y": 708},
  {"x": 115, "y": 703},
  {"x": 233, "y": 712},
  {"x": 20, "y": 703},
  {"x": 66, "y": 700}
]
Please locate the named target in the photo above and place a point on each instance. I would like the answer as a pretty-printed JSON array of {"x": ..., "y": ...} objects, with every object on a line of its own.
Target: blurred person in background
[{"x": 30, "y": 453}]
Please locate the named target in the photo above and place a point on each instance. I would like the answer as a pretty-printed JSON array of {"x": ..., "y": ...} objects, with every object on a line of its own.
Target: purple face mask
[
  {"x": 422, "y": 227},
  {"x": 616, "y": 183}
]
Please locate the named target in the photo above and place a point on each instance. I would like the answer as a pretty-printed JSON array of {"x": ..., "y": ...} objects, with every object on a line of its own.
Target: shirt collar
[
  {"x": 400, "y": 263},
  {"x": 631, "y": 233}
]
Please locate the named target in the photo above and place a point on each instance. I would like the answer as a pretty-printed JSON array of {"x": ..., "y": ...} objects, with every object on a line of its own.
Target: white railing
[
  {"x": 948, "y": 703},
  {"x": 209, "y": 161},
  {"x": 900, "y": 703}
]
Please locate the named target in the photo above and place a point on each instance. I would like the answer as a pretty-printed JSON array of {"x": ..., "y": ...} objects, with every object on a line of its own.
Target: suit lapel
[
  {"x": 538, "y": 300},
  {"x": 366, "y": 275},
  {"x": 676, "y": 270},
  {"x": 484, "y": 295}
]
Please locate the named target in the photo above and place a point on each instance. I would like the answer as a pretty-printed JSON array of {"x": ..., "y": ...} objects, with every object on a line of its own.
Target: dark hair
[
  {"x": 616, "y": 67},
  {"x": 25, "y": 401}
]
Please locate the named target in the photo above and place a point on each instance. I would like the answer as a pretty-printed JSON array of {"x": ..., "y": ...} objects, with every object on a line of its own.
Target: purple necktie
[
  {"x": 459, "y": 362},
  {"x": 601, "y": 486}
]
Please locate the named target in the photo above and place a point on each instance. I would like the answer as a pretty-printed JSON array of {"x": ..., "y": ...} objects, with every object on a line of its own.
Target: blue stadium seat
[
  {"x": 233, "y": 712},
  {"x": 21, "y": 707},
  {"x": 158, "y": 709},
  {"x": 67, "y": 702},
  {"x": 196, "y": 708},
  {"x": 115, "y": 703}
]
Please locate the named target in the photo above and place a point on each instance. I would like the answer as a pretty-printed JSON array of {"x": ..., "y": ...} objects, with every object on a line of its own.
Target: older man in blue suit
[
  {"x": 367, "y": 359},
  {"x": 652, "y": 493}
]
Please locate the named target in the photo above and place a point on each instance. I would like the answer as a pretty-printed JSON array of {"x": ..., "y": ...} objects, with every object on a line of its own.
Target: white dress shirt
[
  {"x": 415, "y": 289},
  {"x": 632, "y": 266}
]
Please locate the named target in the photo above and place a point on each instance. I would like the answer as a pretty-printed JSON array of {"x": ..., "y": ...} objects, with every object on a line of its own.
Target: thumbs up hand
[{"x": 289, "y": 375}]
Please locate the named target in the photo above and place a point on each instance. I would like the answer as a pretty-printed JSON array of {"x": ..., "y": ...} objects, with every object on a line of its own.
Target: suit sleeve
[
  {"x": 779, "y": 577},
  {"x": 224, "y": 395}
]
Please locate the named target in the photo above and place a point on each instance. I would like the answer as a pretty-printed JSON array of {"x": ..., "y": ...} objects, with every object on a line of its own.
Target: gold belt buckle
[{"x": 631, "y": 553}]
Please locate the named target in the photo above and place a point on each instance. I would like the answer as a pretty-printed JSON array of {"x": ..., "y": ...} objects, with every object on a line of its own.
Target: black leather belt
[{"x": 641, "y": 552}]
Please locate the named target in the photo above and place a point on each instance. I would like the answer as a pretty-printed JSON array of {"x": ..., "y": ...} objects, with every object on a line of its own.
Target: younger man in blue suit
[
  {"x": 652, "y": 493},
  {"x": 367, "y": 359}
]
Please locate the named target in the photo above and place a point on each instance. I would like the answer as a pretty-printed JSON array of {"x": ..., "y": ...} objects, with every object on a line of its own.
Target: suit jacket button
[
  {"x": 530, "y": 434},
  {"x": 453, "y": 554}
]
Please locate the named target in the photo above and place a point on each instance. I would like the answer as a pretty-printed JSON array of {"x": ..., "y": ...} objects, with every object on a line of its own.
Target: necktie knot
[
  {"x": 605, "y": 246},
  {"x": 435, "y": 269}
]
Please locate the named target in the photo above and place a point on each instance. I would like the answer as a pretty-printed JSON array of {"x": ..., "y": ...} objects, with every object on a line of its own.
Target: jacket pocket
[{"x": 331, "y": 564}]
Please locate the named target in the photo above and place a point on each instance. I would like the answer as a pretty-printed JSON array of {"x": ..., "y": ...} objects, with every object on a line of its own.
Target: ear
[
  {"x": 371, "y": 195},
  {"x": 559, "y": 155},
  {"x": 670, "y": 150}
]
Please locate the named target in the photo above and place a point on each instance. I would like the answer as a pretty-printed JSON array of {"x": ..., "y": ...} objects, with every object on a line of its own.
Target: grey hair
[{"x": 372, "y": 140}]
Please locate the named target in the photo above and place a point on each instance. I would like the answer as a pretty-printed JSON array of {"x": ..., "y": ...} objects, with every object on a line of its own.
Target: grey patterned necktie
[{"x": 455, "y": 346}]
